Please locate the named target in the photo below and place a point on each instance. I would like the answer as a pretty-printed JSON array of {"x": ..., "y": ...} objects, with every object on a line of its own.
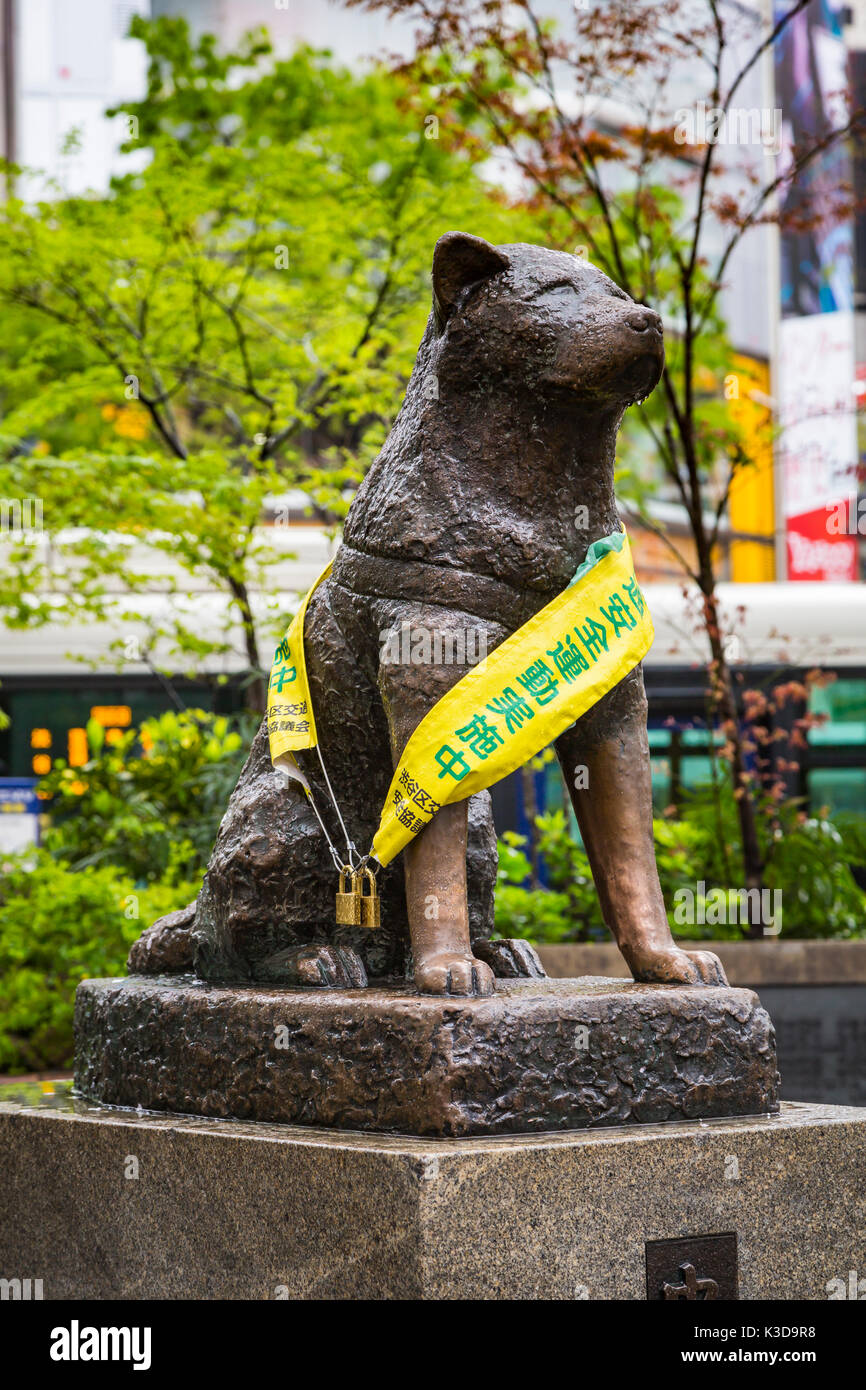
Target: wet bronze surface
[
  {"x": 537, "y": 1056},
  {"x": 494, "y": 481}
]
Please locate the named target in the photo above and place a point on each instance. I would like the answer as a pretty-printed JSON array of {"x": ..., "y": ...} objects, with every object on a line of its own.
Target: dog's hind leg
[{"x": 510, "y": 958}]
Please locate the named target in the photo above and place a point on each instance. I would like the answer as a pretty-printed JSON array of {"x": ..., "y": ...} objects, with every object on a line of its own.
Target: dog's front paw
[
  {"x": 447, "y": 972},
  {"x": 676, "y": 967},
  {"x": 510, "y": 959}
]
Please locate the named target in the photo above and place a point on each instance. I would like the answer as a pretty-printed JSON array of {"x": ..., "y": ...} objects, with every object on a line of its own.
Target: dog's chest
[{"x": 485, "y": 515}]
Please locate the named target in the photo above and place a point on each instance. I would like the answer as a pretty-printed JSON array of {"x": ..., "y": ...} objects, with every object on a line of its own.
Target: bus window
[
  {"x": 844, "y": 704},
  {"x": 695, "y": 772},
  {"x": 840, "y": 789}
]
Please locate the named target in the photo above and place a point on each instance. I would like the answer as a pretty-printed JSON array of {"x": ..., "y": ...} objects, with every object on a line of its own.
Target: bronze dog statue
[{"x": 494, "y": 481}]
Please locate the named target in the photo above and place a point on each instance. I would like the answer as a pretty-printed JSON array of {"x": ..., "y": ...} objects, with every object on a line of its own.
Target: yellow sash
[{"x": 509, "y": 707}]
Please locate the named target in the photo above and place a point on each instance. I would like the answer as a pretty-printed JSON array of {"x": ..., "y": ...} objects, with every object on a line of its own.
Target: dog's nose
[{"x": 644, "y": 320}]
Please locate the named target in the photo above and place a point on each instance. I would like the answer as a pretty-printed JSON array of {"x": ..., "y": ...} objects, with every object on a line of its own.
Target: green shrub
[
  {"x": 568, "y": 910},
  {"x": 151, "y": 803},
  {"x": 130, "y": 837},
  {"x": 58, "y": 926},
  {"x": 810, "y": 860}
]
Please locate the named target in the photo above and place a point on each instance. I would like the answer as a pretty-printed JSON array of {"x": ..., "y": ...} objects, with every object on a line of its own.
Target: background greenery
[
  {"x": 809, "y": 863},
  {"x": 130, "y": 839},
  {"x": 236, "y": 319},
  {"x": 233, "y": 321}
]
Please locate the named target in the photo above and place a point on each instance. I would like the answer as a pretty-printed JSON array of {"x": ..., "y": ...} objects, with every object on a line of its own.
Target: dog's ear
[{"x": 460, "y": 260}]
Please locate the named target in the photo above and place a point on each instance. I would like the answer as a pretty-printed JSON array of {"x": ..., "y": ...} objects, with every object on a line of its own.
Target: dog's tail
[{"x": 165, "y": 948}]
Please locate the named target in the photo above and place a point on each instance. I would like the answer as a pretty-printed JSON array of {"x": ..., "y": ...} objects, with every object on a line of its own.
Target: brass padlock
[
  {"x": 371, "y": 903},
  {"x": 348, "y": 904}
]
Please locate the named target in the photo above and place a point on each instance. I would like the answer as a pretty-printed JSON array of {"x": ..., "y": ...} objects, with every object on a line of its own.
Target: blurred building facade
[
  {"x": 61, "y": 65},
  {"x": 815, "y": 369}
]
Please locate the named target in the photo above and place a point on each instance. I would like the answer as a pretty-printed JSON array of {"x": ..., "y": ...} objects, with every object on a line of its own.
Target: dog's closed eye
[{"x": 563, "y": 288}]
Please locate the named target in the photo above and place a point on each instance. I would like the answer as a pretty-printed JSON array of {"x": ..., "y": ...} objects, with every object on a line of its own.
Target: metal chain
[
  {"x": 335, "y": 854},
  {"x": 351, "y": 847},
  {"x": 350, "y": 844}
]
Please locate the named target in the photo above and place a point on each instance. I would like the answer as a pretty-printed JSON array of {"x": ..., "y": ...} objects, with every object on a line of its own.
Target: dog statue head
[{"x": 548, "y": 319}]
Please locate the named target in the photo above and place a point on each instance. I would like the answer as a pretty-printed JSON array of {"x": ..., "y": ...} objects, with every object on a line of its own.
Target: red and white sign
[
  {"x": 818, "y": 443},
  {"x": 814, "y": 554}
]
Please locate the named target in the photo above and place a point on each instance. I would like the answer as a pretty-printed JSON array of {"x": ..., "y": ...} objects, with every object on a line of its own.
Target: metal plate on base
[{"x": 695, "y": 1268}]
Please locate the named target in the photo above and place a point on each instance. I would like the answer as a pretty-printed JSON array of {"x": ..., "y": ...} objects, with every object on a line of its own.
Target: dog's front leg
[
  {"x": 435, "y": 862},
  {"x": 435, "y": 866},
  {"x": 605, "y": 761}
]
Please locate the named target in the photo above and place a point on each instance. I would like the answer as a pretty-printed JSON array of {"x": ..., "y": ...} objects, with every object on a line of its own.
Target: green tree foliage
[{"x": 235, "y": 319}]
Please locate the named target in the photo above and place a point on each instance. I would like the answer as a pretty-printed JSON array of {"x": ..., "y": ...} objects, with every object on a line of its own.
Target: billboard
[
  {"x": 817, "y": 443},
  {"x": 816, "y": 350}
]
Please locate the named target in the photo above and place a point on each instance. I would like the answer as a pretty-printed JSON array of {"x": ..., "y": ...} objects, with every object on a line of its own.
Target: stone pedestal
[
  {"x": 540, "y": 1055},
  {"x": 101, "y": 1203}
]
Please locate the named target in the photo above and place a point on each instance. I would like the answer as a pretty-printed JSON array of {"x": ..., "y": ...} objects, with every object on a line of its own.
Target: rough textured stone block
[
  {"x": 540, "y": 1055},
  {"x": 220, "y": 1209}
]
